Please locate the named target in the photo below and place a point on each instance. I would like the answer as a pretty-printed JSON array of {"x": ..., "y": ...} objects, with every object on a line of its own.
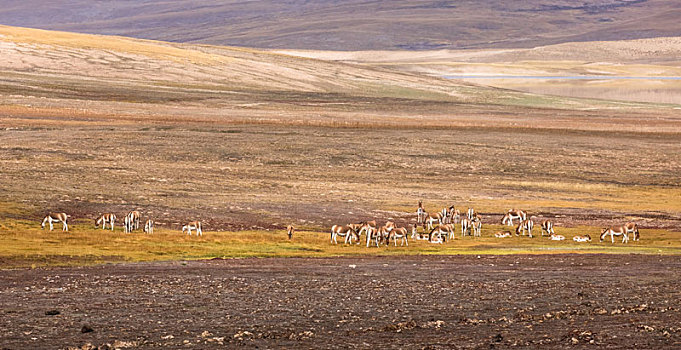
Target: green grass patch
[{"x": 24, "y": 244}]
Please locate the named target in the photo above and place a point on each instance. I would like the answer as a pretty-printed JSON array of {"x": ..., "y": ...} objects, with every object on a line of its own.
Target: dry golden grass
[
  {"x": 277, "y": 140},
  {"x": 147, "y": 48},
  {"x": 24, "y": 244}
]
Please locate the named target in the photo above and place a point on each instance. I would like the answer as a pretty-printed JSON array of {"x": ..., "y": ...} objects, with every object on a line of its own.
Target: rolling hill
[
  {"x": 49, "y": 77},
  {"x": 355, "y": 24}
]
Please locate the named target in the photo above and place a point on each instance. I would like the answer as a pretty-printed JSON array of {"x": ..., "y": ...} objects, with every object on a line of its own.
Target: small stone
[
  {"x": 86, "y": 329},
  {"x": 52, "y": 312}
]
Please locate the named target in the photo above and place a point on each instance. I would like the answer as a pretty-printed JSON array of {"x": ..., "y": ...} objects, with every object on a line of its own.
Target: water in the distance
[{"x": 561, "y": 77}]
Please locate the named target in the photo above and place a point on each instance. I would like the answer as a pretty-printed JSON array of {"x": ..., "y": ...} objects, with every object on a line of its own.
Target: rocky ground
[{"x": 547, "y": 301}]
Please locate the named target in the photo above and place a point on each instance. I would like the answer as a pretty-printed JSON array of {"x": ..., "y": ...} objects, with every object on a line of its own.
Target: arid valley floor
[{"x": 249, "y": 141}]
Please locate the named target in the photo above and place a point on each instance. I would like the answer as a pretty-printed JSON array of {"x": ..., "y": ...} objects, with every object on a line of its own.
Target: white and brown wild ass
[
  {"x": 289, "y": 231},
  {"x": 340, "y": 230},
  {"x": 525, "y": 226},
  {"x": 56, "y": 217},
  {"x": 465, "y": 227},
  {"x": 194, "y": 225},
  {"x": 547, "y": 226},
  {"x": 398, "y": 233},
  {"x": 382, "y": 233},
  {"x": 442, "y": 231},
  {"x": 632, "y": 228},
  {"x": 470, "y": 213},
  {"x": 513, "y": 214},
  {"x": 420, "y": 214},
  {"x": 432, "y": 219},
  {"x": 615, "y": 231},
  {"x": 450, "y": 215},
  {"x": 503, "y": 234},
  {"x": 476, "y": 223},
  {"x": 105, "y": 219},
  {"x": 555, "y": 237},
  {"x": 149, "y": 226},
  {"x": 416, "y": 235},
  {"x": 582, "y": 239},
  {"x": 131, "y": 221}
]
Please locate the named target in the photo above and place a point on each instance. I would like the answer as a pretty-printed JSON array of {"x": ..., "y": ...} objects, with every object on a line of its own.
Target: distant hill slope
[
  {"x": 355, "y": 24},
  {"x": 59, "y": 77}
]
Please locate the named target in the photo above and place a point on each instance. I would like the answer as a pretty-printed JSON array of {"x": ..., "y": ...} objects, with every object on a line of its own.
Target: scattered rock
[
  {"x": 52, "y": 312},
  {"x": 433, "y": 324},
  {"x": 119, "y": 344},
  {"x": 86, "y": 329},
  {"x": 600, "y": 311},
  {"x": 243, "y": 334}
]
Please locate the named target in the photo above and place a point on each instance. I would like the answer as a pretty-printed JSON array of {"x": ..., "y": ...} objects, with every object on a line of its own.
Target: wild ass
[
  {"x": 415, "y": 234},
  {"x": 382, "y": 233},
  {"x": 454, "y": 216},
  {"x": 56, "y": 217},
  {"x": 340, "y": 230},
  {"x": 431, "y": 219},
  {"x": 106, "y": 219},
  {"x": 135, "y": 219},
  {"x": 442, "y": 232},
  {"x": 632, "y": 227},
  {"x": 471, "y": 213},
  {"x": 420, "y": 213},
  {"x": 615, "y": 231},
  {"x": 547, "y": 226},
  {"x": 513, "y": 214},
  {"x": 581, "y": 239},
  {"x": 476, "y": 223},
  {"x": 289, "y": 231},
  {"x": 194, "y": 225},
  {"x": 398, "y": 233},
  {"x": 356, "y": 230},
  {"x": 525, "y": 226},
  {"x": 503, "y": 234},
  {"x": 555, "y": 237},
  {"x": 465, "y": 226},
  {"x": 450, "y": 215},
  {"x": 366, "y": 226},
  {"x": 149, "y": 226}
]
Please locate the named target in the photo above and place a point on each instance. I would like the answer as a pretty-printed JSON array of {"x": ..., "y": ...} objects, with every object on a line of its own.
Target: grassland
[
  {"x": 24, "y": 244},
  {"x": 247, "y": 182},
  {"x": 249, "y": 141}
]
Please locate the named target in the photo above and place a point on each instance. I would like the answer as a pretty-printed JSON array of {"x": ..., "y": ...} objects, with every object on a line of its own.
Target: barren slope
[
  {"x": 85, "y": 77},
  {"x": 656, "y": 60},
  {"x": 356, "y": 24}
]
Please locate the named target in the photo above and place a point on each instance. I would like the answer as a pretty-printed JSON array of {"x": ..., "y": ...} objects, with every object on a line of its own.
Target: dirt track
[{"x": 559, "y": 301}]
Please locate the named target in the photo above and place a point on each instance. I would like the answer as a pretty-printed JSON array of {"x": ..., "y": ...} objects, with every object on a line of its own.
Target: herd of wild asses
[
  {"x": 440, "y": 226},
  {"x": 436, "y": 227},
  {"x": 131, "y": 221}
]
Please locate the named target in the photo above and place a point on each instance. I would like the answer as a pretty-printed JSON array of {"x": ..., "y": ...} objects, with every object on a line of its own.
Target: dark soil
[{"x": 540, "y": 301}]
